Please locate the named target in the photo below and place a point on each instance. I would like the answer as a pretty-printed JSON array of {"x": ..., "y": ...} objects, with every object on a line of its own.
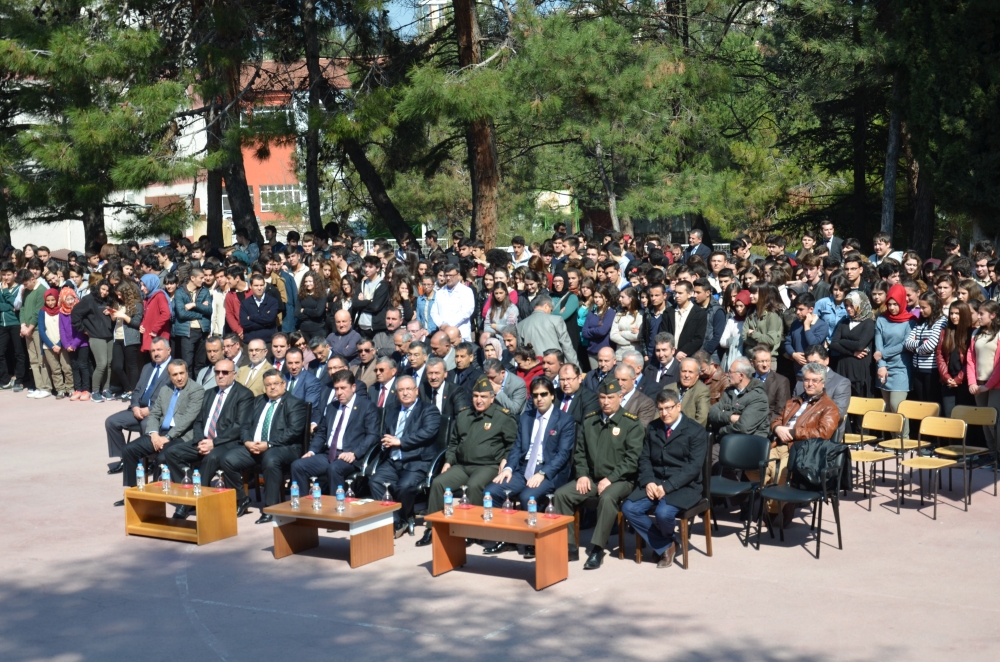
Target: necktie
[
  {"x": 381, "y": 397},
  {"x": 265, "y": 430},
  {"x": 566, "y": 403},
  {"x": 169, "y": 416},
  {"x": 215, "y": 414},
  {"x": 291, "y": 385},
  {"x": 536, "y": 446},
  {"x": 659, "y": 375},
  {"x": 336, "y": 435},
  {"x": 435, "y": 396},
  {"x": 669, "y": 430},
  {"x": 397, "y": 453},
  {"x": 152, "y": 383},
  {"x": 278, "y": 364}
]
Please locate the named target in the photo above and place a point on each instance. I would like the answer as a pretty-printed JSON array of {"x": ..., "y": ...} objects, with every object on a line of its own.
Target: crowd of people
[{"x": 568, "y": 369}]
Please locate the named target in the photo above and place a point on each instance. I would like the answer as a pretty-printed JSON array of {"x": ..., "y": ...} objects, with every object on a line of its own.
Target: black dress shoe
[
  {"x": 116, "y": 468},
  {"x": 243, "y": 507},
  {"x": 667, "y": 559},
  {"x": 529, "y": 551},
  {"x": 499, "y": 548},
  {"x": 183, "y": 512},
  {"x": 425, "y": 539},
  {"x": 401, "y": 530},
  {"x": 264, "y": 519},
  {"x": 574, "y": 555},
  {"x": 595, "y": 560},
  {"x": 119, "y": 503}
]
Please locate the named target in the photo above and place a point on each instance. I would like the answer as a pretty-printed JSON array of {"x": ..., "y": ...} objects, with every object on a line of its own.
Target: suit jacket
[
  {"x": 454, "y": 399},
  {"x": 693, "y": 333},
  {"x": 466, "y": 379},
  {"x": 206, "y": 377},
  {"x": 513, "y": 395},
  {"x": 259, "y": 322},
  {"x": 696, "y": 403},
  {"x": 545, "y": 331},
  {"x": 420, "y": 433},
  {"x": 288, "y": 422},
  {"x": 592, "y": 381},
  {"x": 360, "y": 433},
  {"x": 308, "y": 388},
  {"x": 648, "y": 385},
  {"x": 558, "y": 442},
  {"x": 144, "y": 377},
  {"x": 701, "y": 250},
  {"x": 584, "y": 401},
  {"x": 778, "y": 392},
  {"x": 318, "y": 368},
  {"x": 676, "y": 463},
  {"x": 327, "y": 400},
  {"x": 234, "y": 424},
  {"x": 257, "y": 385},
  {"x": 837, "y": 387},
  {"x": 364, "y": 373},
  {"x": 642, "y": 406},
  {"x": 186, "y": 409},
  {"x": 390, "y": 398},
  {"x": 836, "y": 248}
]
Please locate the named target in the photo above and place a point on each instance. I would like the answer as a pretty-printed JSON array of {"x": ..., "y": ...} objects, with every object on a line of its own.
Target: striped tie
[{"x": 215, "y": 414}]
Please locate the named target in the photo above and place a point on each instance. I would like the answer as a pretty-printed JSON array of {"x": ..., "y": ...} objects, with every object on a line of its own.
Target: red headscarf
[
  {"x": 54, "y": 293},
  {"x": 898, "y": 294},
  {"x": 743, "y": 297}
]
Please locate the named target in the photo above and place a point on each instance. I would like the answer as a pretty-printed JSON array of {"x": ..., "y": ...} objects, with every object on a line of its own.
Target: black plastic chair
[{"x": 741, "y": 452}]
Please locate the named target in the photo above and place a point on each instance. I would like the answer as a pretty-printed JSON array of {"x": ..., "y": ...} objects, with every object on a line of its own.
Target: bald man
[
  {"x": 344, "y": 339},
  {"x": 252, "y": 376},
  {"x": 441, "y": 348}
]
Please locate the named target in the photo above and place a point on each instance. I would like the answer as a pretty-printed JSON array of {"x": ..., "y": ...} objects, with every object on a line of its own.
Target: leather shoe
[
  {"x": 116, "y": 468},
  {"x": 667, "y": 559},
  {"x": 426, "y": 538},
  {"x": 243, "y": 507},
  {"x": 574, "y": 555},
  {"x": 595, "y": 560},
  {"x": 183, "y": 512},
  {"x": 119, "y": 503},
  {"x": 499, "y": 548},
  {"x": 401, "y": 530},
  {"x": 264, "y": 519},
  {"x": 529, "y": 551}
]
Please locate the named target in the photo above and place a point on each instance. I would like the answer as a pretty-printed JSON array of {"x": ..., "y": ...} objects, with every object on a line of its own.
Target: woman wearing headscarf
[
  {"x": 732, "y": 337},
  {"x": 156, "y": 311},
  {"x": 851, "y": 347},
  {"x": 75, "y": 345},
  {"x": 891, "y": 331},
  {"x": 55, "y": 356},
  {"x": 92, "y": 315}
]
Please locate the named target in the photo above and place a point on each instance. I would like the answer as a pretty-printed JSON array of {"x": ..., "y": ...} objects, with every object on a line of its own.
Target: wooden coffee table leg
[
  {"x": 551, "y": 558},
  {"x": 292, "y": 538},
  {"x": 371, "y": 545},
  {"x": 449, "y": 551}
]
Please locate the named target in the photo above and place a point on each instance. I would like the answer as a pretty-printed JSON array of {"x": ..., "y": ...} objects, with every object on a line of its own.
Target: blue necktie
[
  {"x": 397, "y": 454},
  {"x": 169, "y": 416},
  {"x": 149, "y": 388}
]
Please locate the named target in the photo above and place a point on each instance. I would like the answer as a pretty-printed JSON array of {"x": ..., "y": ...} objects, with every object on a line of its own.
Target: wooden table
[
  {"x": 369, "y": 526},
  {"x": 549, "y": 538},
  {"x": 146, "y": 514}
]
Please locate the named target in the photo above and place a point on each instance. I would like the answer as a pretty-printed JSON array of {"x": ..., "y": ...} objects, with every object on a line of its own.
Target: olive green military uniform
[
  {"x": 604, "y": 449},
  {"x": 479, "y": 441}
]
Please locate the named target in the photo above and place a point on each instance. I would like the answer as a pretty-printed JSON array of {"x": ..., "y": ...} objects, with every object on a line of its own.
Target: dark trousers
[
  {"x": 79, "y": 361},
  {"x": 134, "y": 454},
  {"x": 10, "y": 336},
  {"x": 403, "y": 486},
  {"x": 477, "y": 478},
  {"x": 192, "y": 350},
  {"x": 568, "y": 500},
  {"x": 328, "y": 474},
  {"x": 115, "y": 425},
  {"x": 272, "y": 463},
  {"x": 186, "y": 456},
  {"x": 658, "y": 534},
  {"x": 126, "y": 364},
  {"x": 519, "y": 490}
]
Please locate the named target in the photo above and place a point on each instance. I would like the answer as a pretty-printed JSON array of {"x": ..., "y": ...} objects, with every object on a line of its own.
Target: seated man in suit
[
  {"x": 301, "y": 383},
  {"x": 633, "y": 401},
  {"x": 171, "y": 420},
  {"x": 151, "y": 380},
  {"x": 321, "y": 350},
  {"x": 342, "y": 440},
  {"x": 694, "y": 396},
  {"x": 213, "y": 354},
  {"x": 712, "y": 376},
  {"x": 279, "y": 347},
  {"x": 606, "y": 458},
  {"x": 232, "y": 349},
  {"x": 252, "y": 376},
  {"x": 511, "y": 391},
  {"x": 222, "y": 423},
  {"x": 276, "y": 425},
  {"x": 575, "y": 399},
  {"x": 477, "y": 451},
  {"x": 418, "y": 354},
  {"x": 408, "y": 437},
  {"x": 539, "y": 461},
  {"x": 605, "y": 366},
  {"x": 670, "y": 476},
  {"x": 836, "y": 386},
  {"x": 667, "y": 369},
  {"x": 777, "y": 387},
  {"x": 259, "y": 312},
  {"x": 447, "y": 397}
]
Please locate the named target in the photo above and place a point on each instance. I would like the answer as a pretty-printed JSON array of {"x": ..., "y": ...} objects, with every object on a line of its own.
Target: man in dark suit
[
  {"x": 539, "y": 461},
  {"x": 670, "y": 476},
  {"x": 342, "y": 440},
  {"x": 383, "y": 391},
  {"x": 633, "y": 401},
  {"x": 685, "y": 321},
  {"x": 447, "y": 397},
  {"x": 408, "y": 438},
  {"x": 276, "y": 426},
  {"x": 466, "y": 373},
  {"x": 605, "y": 366},
  {"x": 151, "y": 380},
  {"x": 222, "y": 423},
  {"x": 232, "y": 349},
  {"x": 301, "y": 383},
  {"x": 777, "y": 386},
  {"x": 835, "y": 244},
  {"x": 259, "y": 313},
  {"x": 696, "y": 247},
  {"x": 574, "y": 398},
  {"x": 665, "y": 371}
]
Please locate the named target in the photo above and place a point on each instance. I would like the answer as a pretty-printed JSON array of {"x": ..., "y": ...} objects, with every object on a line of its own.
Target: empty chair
[
  {"x": 962, "y": 453},
  {"x": 885, "y": 423},
  {"x": 860, "y": 407},
  {"x": 742, "y": 452},
  {"x": 946, "y": 428}
]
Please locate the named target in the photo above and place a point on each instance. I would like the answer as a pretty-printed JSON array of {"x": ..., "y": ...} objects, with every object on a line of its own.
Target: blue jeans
[{"x": 659, "y": 534}]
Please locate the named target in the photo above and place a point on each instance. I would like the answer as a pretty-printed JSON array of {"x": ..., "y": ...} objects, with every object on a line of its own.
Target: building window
[
  {"x": 226, "y": 209},
  {"x": 279, "y": 195}
]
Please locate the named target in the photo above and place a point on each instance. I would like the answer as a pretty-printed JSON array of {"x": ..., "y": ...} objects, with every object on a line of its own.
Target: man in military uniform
[
  {"x": 477, "y": 451},
  {"x": 606, "y": 457}
]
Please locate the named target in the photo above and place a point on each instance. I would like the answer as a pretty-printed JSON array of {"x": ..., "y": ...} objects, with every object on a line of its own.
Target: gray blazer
[
  {"x": 513, "y": 395},
  {"x": 186, "y": 410},
  {"x": 545, "y": 331},
  {"x": 206, "y": 377}
]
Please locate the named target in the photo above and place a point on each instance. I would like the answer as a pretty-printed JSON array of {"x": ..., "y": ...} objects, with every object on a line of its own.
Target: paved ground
[{"x": 73, "y": 587}]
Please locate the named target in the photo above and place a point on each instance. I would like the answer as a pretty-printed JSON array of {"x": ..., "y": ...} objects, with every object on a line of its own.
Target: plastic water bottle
[
  {"x": 197, "y": 483},
  {"x": 295, "y": 495},
  {"x": 317, "y": 497},
  {"x": 165, "y": 477},
  {"x": 532, "y": 512},
  {"x": 340, "y": 498},
  {"x": 487, "y": 507},
  {"x": 449, "y": 502},
  {"x": 140, "y": 476}
]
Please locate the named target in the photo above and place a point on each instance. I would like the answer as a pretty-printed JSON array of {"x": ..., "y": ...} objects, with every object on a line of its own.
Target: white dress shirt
[
  {"x": 540, "y": 420},
  {"x": 220, "y": 402},
  {"x": 258, "y": 433},
  {"x": 338, "y": 443}
]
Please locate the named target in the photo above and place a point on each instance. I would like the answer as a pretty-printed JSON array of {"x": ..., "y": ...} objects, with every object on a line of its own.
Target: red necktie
[
  {"x": 566, "y": 402},
  {"x": 332, "y": 455},
  {"x": 669, "y": 430},
  {"x": 381, "y": 397}
]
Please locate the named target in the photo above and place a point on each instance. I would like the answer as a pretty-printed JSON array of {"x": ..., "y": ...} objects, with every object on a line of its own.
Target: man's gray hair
[
  {"x": 386, "y": 360},
  {"x": 627, "y": 369},
  {"x": 509, "y": 330},
  {"x": 436, "y": 360},
  {"x": 160, "y": 339},
  {"x": 742, "y": 365},
  {"x": 178, "y": 363},
  {"x": 400, "y": 380},
  {"x": 817, "y": 369},
  {"x": 664, "y": 337},
  {"x": 698, "y": 233},
  {"x": 632, "y": 354},
  {"x": 492, "y": 365},
  {"x": 404, "y": 335},
  {"x": 542, "y": 300}
]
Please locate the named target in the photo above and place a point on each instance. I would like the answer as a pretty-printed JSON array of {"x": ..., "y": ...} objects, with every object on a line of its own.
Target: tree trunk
[
  {"x": 213, "y": 185},
  {"x": 376, "y": 189},
  {"x": 4, "y": 224},
  {"x": 310, "y": 33},
  {"x": 479, "y": 137},
  {"x": 922, "y": 235},
  {"x": 891, "y": 162},
  {"x": 860, "y": 129},
  {"x": 93, "y": 225},
  {"x": 609, "y": 190},
  {"x": 244, "y": 216}
]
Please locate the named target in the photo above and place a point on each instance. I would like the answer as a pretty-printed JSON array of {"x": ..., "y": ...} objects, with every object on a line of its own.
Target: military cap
[
  {"x": 482, "y": 385},
  {"x": 609, "y": 386}
]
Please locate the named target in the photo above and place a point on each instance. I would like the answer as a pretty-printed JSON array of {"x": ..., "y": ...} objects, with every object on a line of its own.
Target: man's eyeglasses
[
  {"x": 542, "y": 394},
  {"x": 366, "y": 349},
  {"x": 223, "y": 372},
  {"x": 255, "y": 350}
]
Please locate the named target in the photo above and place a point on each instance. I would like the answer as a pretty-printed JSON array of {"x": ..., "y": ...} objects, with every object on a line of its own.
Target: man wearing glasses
[
  {"x": 221, "y": 425},
  {"x": 252, "y": 376},
  {"x": 363, "y": 367}
]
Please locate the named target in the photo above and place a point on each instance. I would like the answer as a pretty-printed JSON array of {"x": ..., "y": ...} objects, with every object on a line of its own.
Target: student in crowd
[
  {"x": 891, "y": 331},
  {"x": 952, "y": 357}
]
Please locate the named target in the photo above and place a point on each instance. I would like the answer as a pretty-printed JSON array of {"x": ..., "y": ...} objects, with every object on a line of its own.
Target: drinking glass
[
  {"x": 387, "y": 498},
  {"x": 349, "y": 495},
  {"x": 550, "y": 511},
  {"x": 463, "y": 503},
  {"x": 218, "y": 482},
  {"x": 508, "y": 506}
]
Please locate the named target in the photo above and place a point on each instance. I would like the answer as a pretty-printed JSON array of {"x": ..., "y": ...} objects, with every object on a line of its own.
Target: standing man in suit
[
  {"x": 171, "y": 420},
  {"x": 575, "y": 399},
  {"x": 696, "y": 247},
  {"x": 686, "y": 322},
  {"x": 222, "y": 423},
  {"x": 301, "y": 383},
  {"x": 670, "y": 476},
  {"x": 545, "y": 331},
  {"x": 259, "y": 312},
  {"x": 694, "y": 396},
  {"x": 836, "y": 386},
  {"x": 252, "y": 376},
  {"x": 151, "y": 380},
  {"x": 276, "y": 425},
  {"x": 511, "y": 391},
  {"x": 408, "y": 438},
  {"x": 835, "y": 244},
  {"x": 342, "y": 439},
  {"x": 539, "y": 461},
  {"x": 777, "y": 386},
  {"x": 213, "y": 354},
  {"x": 665, "y": 371},
  {"x": 633, "y": 401},
  {"x": 605, "y": 366},
  {"x": 446, "y": 396}
]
